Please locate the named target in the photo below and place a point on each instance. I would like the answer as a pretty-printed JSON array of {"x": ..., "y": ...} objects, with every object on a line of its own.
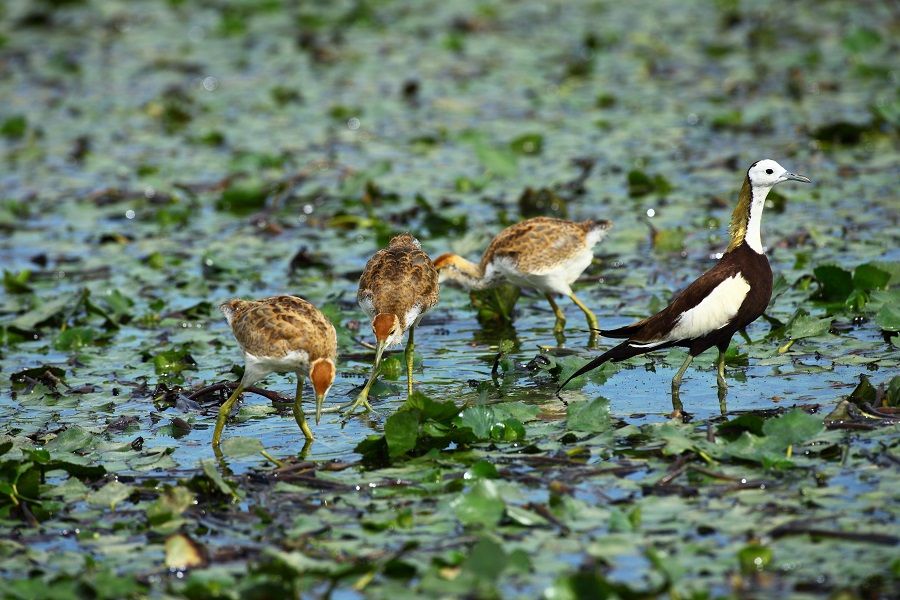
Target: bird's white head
[
  {"x": 766, "y": 173},
  {"x": 746, "y": 220}
]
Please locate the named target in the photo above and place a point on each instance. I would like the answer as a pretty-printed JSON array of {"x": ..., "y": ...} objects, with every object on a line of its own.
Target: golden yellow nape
[{"x": 741, "y": 216}]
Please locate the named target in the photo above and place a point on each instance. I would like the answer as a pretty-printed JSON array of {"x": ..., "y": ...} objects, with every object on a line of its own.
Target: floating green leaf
[
  {"x": 641, "y": 184},
  {"x": 16, "y": 283},
  {"x": 754, "y": 558},
  {"x": 480, "y": 506},
  {"x": 401, "y": 431},
  {"x": 75, "y": 338},
  {"x": 835, "y": 283},
  {"x": 239, "y": 446},
  {"x": 805, "y": 326},
  {"x": 110, "y": 494},
  {"x": 888, "y": 317},
  {"x": 588, "y": 415},
  {"x": 528, "y": 144},
  {"x": 496, "y": 304}
]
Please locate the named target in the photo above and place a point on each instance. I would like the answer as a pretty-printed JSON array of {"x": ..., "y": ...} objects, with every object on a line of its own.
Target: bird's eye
[{"x": 769, "y": 171}]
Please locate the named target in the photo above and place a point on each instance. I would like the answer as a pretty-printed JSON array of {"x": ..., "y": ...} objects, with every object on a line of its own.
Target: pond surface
[{"x": 161, "y": 157}]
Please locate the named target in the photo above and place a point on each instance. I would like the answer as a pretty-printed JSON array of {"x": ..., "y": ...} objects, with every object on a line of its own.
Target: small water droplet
[
  {"x": 353, "y": 123},
  {"x": 129, "y": 214},
  {"x": 210, "y": 84}
]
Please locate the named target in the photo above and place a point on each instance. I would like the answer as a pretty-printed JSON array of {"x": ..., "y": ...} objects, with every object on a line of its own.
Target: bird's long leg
[
  {"x": 591, "y": 317},
  {"x": 410, "y": 346},
  {"x": 720, "y": 375},
  {"x": 677, "y": 407},
  {"x": 224, "y": 410},
  {"x": 363, "y": 399},
  {"x": 297, "y": 408},
  {"x": 560, "y": 324},
  {"x": 676, "y": 381},
  {"x": 720, "y": 380},
  {"x": 593, "y": 324}
]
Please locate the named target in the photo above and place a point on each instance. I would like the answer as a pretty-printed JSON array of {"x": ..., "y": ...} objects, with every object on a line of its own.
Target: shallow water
[{"x": 147, "y": 125}]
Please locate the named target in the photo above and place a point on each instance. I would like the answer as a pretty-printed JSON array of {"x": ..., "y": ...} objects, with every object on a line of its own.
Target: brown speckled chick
[
  {"x": 277, "y": 335},
  {"x": 542, "y": 253},
  {"x": 397, "y": 287}
]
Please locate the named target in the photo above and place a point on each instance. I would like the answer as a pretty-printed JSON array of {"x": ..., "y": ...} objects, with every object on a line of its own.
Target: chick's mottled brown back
[
  {"x": 397, "y": 278},
  {"x": 540, "y": 243},
  {"x": 276, "y": 326}
]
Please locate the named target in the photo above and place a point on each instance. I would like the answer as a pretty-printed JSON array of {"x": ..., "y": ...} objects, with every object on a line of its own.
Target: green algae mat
[{"x": 160, "y": 157}]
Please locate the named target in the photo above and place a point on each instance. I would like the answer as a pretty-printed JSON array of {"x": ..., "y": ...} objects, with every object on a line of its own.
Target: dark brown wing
[{"x": 657, "y": 326}]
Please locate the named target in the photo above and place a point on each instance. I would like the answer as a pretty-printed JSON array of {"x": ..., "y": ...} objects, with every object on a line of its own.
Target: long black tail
[
  {"x": 621, "y": 352},
  {"x": 623, "y": 332}
]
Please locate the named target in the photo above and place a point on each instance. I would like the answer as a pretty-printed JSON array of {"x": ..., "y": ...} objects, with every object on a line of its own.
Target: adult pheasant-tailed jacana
[
  {"x": 278, "y": 335},
  {"x": 724, "y": 300},
  {"x": 397, "y": 287},
  {"x": 542, "y": 253}
]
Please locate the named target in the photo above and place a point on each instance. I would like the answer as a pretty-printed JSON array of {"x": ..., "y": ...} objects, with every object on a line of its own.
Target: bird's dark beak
[{"x": 795, "y": 177}]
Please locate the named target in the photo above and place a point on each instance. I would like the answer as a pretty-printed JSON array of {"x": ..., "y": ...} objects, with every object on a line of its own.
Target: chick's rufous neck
[{"x": 452, "y": 267}]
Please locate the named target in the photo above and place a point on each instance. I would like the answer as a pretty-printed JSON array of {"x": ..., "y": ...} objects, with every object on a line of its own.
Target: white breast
[
  {"x": 412, "y": 316},
  {"x": 714, "y": 312},
  {"x": 257, "y": 367}
]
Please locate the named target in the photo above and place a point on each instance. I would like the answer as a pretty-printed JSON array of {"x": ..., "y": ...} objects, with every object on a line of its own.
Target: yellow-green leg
[
  {"x": 410, "y": 346},
  {"x": 676, "y": 381},
  {"x": 720, "y": 374},
  {"x": 560, "y": 324},
  {"x": 224, "y": 411},
  {"x": 298, "y": 409},
  {"x": 362, "y": 401},
  {"x": 722, "y": 385},
  {"x": 677, "y": 407},
  {"x": 593, "y": 324}
]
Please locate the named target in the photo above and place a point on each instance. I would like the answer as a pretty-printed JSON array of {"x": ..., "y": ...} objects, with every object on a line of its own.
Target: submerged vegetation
[{"x": 162, "y": 156}]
